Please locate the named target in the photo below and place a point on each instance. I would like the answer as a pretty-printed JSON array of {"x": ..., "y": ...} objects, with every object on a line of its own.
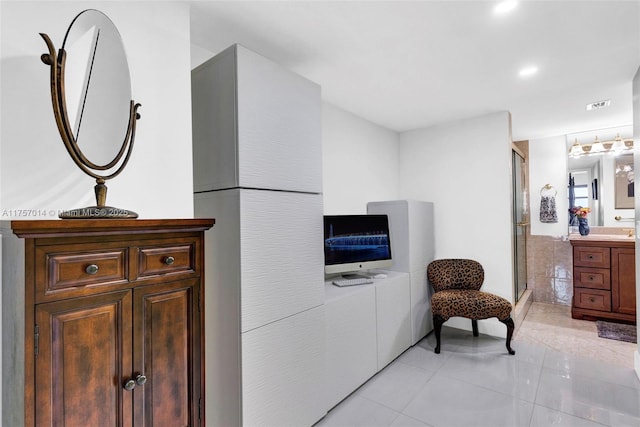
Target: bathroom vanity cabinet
[
  {"x": 604, "y": 285},
  {"x": 102, "y": 322}
]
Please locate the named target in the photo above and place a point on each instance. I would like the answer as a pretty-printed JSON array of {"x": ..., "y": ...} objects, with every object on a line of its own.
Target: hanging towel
[{"x": 548, "y": 211}]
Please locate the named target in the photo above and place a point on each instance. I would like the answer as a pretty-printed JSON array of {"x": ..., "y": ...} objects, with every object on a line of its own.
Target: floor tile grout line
[
  {"x": 412, "y": 399},
  {"x": 535, "y": 396}
]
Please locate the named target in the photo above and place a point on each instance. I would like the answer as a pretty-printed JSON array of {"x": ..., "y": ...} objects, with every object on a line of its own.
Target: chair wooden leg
[
  {"x": 510, "y": 327},
  {"x": 474, "y": 326},
  {"x": 437, "y": 326}
]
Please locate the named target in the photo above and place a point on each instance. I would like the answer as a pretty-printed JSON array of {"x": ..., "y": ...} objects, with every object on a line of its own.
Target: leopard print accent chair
[{"x": 457, "y": 283}]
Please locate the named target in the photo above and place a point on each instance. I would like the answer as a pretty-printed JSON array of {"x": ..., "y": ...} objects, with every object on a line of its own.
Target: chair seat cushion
[{"x": 470, "y": 304}]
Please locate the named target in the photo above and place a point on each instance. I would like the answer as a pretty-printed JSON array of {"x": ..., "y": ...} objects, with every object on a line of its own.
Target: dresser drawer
[
  {"x": 593, "y": 299},
  {"x": 61, "y": 268},
  {"x": 594, "y": 278},
  {"x": 168, "y": 258},
  {"x": 591, "y": 256}
]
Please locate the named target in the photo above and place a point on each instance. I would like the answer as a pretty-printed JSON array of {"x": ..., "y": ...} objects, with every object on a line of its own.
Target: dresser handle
[
  {"x": 169, "y": 260},
  {"x": 592, "y": 299},
  {"x": 131, "y": 383},
  {"x": 91, "y": 269},
  {"x": 591, "y": 278},
  {"x": 590, "y": 256},
  {"x": 141, "y": 379}
]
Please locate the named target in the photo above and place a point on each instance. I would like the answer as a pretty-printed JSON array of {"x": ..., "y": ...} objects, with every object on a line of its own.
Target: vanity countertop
[{"x": 596, "y": 237}]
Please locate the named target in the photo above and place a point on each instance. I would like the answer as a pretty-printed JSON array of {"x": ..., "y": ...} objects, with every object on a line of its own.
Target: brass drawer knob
[
  {"x": 169, "y": 260},
  {"x": 91, "y": 269}
]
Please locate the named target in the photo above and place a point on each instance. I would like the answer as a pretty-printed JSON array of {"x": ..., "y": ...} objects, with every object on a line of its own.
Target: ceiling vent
[{"x": 598, "y": 105}]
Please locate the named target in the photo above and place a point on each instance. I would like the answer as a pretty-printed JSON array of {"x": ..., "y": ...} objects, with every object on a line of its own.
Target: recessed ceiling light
[
  {"x": 528, "y": 71},
  {"x": 598, "y": 104},
  {"x": 504, "y": 7}
]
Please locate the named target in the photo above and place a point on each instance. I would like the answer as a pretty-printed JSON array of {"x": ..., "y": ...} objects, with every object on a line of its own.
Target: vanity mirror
[
  {"x": 601, "y": 165},
  {"x": 92, "y": 105}
]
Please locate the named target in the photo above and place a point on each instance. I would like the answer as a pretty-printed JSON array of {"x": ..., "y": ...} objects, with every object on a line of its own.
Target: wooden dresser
[
  {"x": 604, "y": 278},
  {"x": 102, "y": 322}
]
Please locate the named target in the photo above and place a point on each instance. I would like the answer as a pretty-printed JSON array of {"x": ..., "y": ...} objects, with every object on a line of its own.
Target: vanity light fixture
[
  {"x": 619, "y": 145},
  {"x": 616, "y": 146},
  {"x": 576, "y": 149},
  {"x": 624, "y": 169},
  {"x": 608, "y": 145},
  {"x": 597, "y": 146},
  {"x": 505, "y": 7}
]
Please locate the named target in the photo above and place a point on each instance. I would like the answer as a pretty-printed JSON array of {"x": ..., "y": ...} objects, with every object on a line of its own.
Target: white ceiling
[{"x": 412, "y": 64}]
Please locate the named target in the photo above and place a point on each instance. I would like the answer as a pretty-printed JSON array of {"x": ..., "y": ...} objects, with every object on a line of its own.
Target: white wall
[
  {"x": 464, "y": 168},
  {"x": 36, "y": 173},
  {"x": 548, "y": 165},
  {"x": 360, "y": 162}
]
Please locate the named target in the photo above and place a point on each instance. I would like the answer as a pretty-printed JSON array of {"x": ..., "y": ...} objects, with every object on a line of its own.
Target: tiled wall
[{"x": 550, "y": 265}]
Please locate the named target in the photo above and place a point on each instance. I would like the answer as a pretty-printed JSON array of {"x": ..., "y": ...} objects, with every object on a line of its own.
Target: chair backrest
[{"x": 455, "y": 274}]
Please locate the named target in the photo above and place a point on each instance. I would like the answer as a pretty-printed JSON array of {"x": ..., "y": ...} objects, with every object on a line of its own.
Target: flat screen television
[{"x": 354, "y": 243}]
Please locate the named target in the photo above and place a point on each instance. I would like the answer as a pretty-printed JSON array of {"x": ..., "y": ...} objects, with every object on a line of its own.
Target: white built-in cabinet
[
  {"x": 257, "y": 170},
  {"x": 368, "y": 326},
  {"x": 352, "y": 352},
  {"x": 412, "y": 249},
  {"x": 393, "y": 316},
  {"x": 255, "y": 125}
]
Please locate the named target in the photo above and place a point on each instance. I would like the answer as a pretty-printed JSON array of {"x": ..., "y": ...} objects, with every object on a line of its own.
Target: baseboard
[{"x": 636, "y": 362}]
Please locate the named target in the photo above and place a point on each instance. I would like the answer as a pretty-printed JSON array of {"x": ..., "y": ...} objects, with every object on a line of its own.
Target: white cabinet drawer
[
  {"x": 351, "y": 340},
  {"x": 282, "y": 256},
  {"x": 283, "y": 371},
  {"x": 393, "y": 317},
  {"x": 267, "y": 255},
  {"x": 255, "y": 125}
]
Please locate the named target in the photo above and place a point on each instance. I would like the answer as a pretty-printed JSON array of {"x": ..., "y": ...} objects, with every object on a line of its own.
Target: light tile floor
[
  {"x": 474, "y": 382},
  {"x": 552, "y": 326}
]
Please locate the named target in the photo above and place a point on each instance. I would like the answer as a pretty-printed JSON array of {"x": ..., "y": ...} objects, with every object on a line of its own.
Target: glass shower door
[{"x": 520, "y": 225}]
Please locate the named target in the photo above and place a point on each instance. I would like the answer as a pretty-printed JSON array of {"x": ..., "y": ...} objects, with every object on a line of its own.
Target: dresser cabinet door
[
  {"x": 89, "y": 348},
  {"x": 624, "y": 280},
  {"x": 167, "y": 352},
  {"x": 83, "y": 358}
]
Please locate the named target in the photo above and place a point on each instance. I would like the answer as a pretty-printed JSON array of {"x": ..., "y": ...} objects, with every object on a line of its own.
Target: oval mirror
[
  {"x": 92, "y": 105},
  {"x": 98, "y": 86}
]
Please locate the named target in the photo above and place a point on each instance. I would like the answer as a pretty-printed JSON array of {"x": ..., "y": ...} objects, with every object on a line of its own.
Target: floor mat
[{"x": 617, "y": 331}]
